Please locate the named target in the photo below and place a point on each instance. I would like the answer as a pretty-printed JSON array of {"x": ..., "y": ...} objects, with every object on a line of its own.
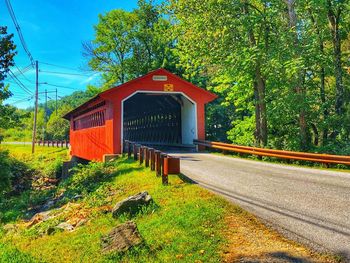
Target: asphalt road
[{"x": 311, "y": 206}]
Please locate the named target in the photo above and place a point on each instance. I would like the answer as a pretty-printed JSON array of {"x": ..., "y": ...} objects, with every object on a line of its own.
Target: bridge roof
[{"x": 205, "y": 95}]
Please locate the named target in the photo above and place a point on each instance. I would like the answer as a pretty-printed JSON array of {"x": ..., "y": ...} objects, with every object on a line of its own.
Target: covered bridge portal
[{"x": 158, "y": 109}]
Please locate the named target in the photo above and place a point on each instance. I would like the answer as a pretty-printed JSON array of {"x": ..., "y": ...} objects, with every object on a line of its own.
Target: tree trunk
[
  {"x": 262, "y": 106},
  {"x": 299, "y": 88},
  {"x": 316, "y": 135},
  {"x": 334, "y": 19},
  {"x": 322, "y": 73},
  {"x": 259, "y": 96}
]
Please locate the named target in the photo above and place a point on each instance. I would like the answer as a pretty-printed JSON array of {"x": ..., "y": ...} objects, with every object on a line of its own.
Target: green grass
[
  {"x": 184, "y": 224},
  {"x": 45, "y": 159},
  {"x": 46, "y": 162}
]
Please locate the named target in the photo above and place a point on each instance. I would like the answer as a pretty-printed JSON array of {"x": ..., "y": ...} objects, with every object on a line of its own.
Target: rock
[
  {"x": 51, "y": 203},
  {"x": 76, "y": 197},
  {"x": 65, "y": 226},
  {"x": 132, "y": 204},
  {"x": 121, "y": 238},
  {"x": 39, "y": 217}
]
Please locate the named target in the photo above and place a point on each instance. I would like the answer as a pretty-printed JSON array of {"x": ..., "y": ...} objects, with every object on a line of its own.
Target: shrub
[
  {"x": 5, "y": 172},
  {"x": 54, "y": 168},
  {"x": 86, "y": 178}
]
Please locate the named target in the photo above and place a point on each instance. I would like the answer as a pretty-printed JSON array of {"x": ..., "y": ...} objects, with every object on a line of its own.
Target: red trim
[{"x": 211, "y": 96}]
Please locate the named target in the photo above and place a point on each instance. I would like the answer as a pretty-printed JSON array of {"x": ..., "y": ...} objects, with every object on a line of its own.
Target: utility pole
[
  {"x": 36, "y": 104},
  {"x": 45, "y": 124},
  {"x": 56, "y": 101}
]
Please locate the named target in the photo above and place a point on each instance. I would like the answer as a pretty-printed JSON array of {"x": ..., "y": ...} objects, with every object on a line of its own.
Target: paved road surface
[{"x": 308, "y": 205}]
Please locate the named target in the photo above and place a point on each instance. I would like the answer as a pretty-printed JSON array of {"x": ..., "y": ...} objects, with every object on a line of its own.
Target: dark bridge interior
[{"x": 153, "y": 119}]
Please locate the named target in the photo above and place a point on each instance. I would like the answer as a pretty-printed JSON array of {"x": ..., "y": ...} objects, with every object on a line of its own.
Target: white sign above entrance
[{"x": 160, "y": 78}]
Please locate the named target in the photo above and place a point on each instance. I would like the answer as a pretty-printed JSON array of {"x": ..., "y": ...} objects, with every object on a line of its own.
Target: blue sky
[{"x": 54, "y": 31}]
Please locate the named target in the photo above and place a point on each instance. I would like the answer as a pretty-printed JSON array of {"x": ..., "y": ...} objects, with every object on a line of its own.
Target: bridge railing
[
  {"x": 62, "y": 144},
  {"x": 281, "y": 154},
  {"x": 162, "y": 163}
]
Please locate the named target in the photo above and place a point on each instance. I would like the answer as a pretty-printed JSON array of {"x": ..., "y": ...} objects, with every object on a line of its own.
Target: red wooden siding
[{"x": 96, "y": 125}]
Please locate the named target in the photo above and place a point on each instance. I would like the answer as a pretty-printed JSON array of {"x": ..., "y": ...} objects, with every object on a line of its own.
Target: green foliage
[
  {"x": 242, "y": 131},
  {"x": 7, "y": 53},
  {"x": 10, "y": 254},
  {"x": 86, "y": 177},
  {"x": 57, "y": 127},
  {"x": 181, "y": 217},
  {"x": 129, "y": 44},
  {"x": 268, "y": 66},
  {"x": 5, "y": 173}
]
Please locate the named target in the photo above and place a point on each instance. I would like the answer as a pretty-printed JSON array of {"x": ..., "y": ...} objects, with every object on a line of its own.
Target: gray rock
[
  {"x": 77, "y": 197},
  {"x": 132, "y": 204},
  {"x": 121, "y": 238},
  {"x": 65, "y": 226},
  {"x": 40, "y": 217}
]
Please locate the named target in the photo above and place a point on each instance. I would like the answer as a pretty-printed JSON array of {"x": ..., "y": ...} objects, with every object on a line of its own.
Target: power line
[
  {"x": 14, "y": 19},
  {"x": 23, "y": 70},
  {"x": 19, "y": 83},
  {"x": 58, "y": 66},
  {"x": 65, "y": 73},
  {"x": 22, "y": 73},
  {"x": 59, "y": 86},
  {"x": 22, "y": 100}
]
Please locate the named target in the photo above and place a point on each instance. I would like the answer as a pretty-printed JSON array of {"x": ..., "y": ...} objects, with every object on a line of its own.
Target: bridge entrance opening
[{"x": 159, "y": 119}]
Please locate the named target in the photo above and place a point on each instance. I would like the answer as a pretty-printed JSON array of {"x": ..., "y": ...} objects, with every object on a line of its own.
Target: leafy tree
[
  {"x": 279, "y": 66},
  {"x": 129, "y": 44},
  {"x": 5, "y": 173},
  {"x": 57, "y": 127},
  {"x": 7, "y": 53}
]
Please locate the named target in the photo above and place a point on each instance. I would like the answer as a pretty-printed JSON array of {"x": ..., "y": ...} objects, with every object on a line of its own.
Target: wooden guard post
[
  {"x": 152, "y": 157},
  {"x": 165, "y": 170}
]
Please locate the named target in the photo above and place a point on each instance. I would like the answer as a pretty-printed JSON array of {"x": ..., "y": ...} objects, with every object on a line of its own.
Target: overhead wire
[
  {"x": 19, "y": 83},
  {"x": 14, "y": 19},
  {"x": 65, "y": 73},
  {"x": 59, "y": 86},
  {"x": 22, "y": 100},
  {"x": 58, "y": 66}
]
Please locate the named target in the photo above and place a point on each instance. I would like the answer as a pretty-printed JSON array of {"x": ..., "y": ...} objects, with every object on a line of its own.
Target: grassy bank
[{"x": 185, "y": 224}]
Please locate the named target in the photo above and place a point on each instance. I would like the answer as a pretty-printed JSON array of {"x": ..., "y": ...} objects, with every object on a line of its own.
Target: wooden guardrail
[
  {"x": 162, "y": 163},
  {"x": 290, "y": 155},
  {"x": 61, "y": 144}
]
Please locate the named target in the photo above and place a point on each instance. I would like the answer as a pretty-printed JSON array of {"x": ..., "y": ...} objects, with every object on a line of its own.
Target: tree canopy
[{"x": 280, "y": 68}]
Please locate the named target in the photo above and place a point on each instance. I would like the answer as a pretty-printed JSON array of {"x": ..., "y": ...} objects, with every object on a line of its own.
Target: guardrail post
[
  {"x": 130, "y": 145},
  {"x": 146, "y": 156},
  {"x": 135, "y": 151},
  {"x": 141, "y": 154},
  {"x": 165, "y": 169},
  {"x": 126, "y": 146},
  {"x": 158, "y": 164},
  {"x": 152, "y": 157}
]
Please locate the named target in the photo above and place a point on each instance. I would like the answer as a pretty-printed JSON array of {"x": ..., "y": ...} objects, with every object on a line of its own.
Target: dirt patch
[{"x": 248, "y": 240}]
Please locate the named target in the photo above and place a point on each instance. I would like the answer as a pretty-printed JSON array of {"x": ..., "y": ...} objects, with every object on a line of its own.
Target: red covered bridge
[{"x": 157, "y": 109}]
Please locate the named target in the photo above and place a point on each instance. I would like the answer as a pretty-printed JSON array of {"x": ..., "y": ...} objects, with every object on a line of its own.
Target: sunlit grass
[{"x": 186, "y": 223}]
